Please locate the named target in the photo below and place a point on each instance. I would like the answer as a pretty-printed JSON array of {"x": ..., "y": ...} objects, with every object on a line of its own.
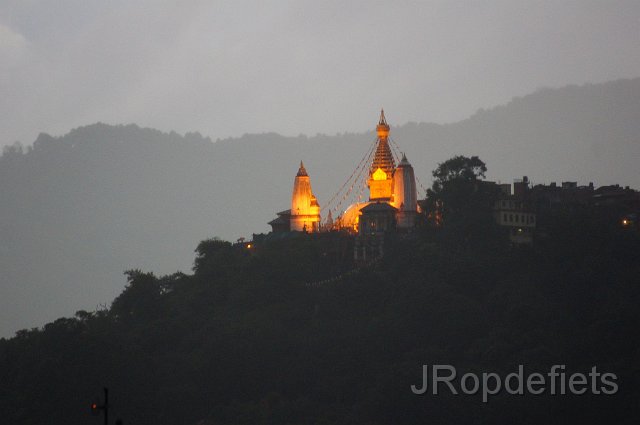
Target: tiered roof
[{"x": 383, "y": 157}]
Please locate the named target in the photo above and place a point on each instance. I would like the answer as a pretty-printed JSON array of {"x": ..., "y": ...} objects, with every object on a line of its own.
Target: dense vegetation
[
  {"x": 249, "y": 338},
  {"x": 78, "y": 209}
]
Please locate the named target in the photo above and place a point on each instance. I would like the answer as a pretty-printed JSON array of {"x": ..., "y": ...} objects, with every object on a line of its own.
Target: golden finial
[
  {"x": 382, "y": 128},
  {"x": 301, "y": 170},
  {"x": 383, "y": 120}
]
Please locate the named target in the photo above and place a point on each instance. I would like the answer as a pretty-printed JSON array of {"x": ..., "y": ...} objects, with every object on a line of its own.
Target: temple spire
[
  {"x": 305, "y": 211},
  {"x": 383, "y": 128},
  {"x": 383, "y": 157},
  {"x": 301, "y": 170},
  {"x": 383, "y": 120}
]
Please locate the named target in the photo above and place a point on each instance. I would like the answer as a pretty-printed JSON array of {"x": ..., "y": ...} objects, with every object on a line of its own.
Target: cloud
[
  {"x": 11, "y": 39},
  {"x": 13, "y": 46}
]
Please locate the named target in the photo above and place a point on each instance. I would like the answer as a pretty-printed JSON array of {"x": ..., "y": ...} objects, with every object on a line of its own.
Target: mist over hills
[{"x": 77, "y": 210}]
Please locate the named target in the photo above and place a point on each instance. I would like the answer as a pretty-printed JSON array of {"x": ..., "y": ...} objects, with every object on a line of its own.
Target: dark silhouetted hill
[{"x": 245, "y": 340}]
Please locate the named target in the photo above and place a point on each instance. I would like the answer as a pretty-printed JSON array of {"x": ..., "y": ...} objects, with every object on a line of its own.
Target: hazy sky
[{"x": 228, "y": 68}]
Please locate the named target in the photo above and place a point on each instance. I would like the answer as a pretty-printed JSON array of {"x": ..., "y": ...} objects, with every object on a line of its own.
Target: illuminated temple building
[{"x": 392, "y": 204}]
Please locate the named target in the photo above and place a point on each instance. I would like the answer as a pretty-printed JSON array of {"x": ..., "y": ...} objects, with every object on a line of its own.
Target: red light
[{"x": 95, "y": 409}]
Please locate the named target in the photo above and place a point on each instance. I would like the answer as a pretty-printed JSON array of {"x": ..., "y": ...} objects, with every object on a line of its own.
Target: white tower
[
  {"x": 305, "y": 211},
  {"x": 405, "y": 197}
]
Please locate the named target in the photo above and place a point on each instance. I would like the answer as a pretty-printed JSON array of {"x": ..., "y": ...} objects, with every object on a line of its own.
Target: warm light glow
[
  {"x": 383, "y": 132},
  {"x": 249, "y": 246},
  {"x": 350, "y": 218},
  {"x": 625, "y": 222},
  {"x": 379, "y": 175},
  {"x": 305, "y": 210}
]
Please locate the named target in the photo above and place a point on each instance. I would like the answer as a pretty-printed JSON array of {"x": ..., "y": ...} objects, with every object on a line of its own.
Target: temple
[
  {"x": 380, "y": 181},
  {"x": 305, "y": 211},
  {"x": 392, "y": 205},
  {"x": 304, "y": 215}
]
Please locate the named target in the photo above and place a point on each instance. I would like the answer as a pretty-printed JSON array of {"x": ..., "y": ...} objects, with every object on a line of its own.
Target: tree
[
  {"x": 458, "y": 169},
  {"x": 214, "y": 256},
  {"x": 460, "y": 200},
  {"x": 12, "y": 151},
  {"x": 140, "y": 298}
]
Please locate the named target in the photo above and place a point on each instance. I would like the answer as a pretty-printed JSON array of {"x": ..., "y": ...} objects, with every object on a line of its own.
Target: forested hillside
[
  {"x": 78, "y": 209},
  {"x": 247, "y": 338}
]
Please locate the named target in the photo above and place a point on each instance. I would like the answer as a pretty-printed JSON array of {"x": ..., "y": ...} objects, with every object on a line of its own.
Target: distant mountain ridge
[{"x": 79, "y": 209}]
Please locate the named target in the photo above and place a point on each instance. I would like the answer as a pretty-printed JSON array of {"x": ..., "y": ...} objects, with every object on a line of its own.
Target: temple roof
[
  {"x": 383, "y": 157},
  {"x": 283, "y": 218},
  {"x": 279, "y": 220},
  {"x": 378, "y": 207}
]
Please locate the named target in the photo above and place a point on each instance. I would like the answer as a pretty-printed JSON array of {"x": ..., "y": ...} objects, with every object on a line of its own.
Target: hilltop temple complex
[
  {"x": 393, "y": 208},
  {"x": 392, "y": 204}
]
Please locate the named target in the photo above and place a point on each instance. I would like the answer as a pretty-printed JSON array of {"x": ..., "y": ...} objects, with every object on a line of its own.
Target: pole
[{"x": 106, "y": 406}]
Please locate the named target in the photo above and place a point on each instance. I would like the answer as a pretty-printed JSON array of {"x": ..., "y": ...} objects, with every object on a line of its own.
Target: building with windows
[{"x": 513, "y": 214}]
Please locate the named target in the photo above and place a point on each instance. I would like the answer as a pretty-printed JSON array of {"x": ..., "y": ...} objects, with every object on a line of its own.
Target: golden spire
[
  {"x": 383, "y": 158},
  {"x": 382, "y": 128},
  {"x": 383, "y": 121}
]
